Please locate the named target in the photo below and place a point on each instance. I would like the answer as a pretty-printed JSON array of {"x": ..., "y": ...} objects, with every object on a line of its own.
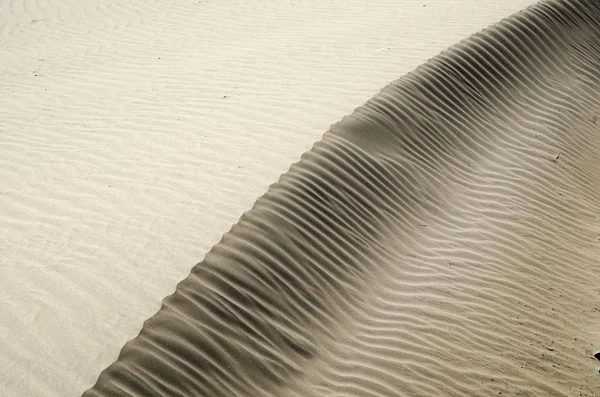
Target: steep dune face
[{"x": 444, "y": 239}]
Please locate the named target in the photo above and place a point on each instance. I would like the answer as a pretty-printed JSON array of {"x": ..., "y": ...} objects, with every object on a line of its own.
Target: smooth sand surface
[{"x": 134, "y": 135}]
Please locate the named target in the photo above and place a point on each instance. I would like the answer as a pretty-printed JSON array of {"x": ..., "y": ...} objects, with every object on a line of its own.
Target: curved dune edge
[{"x": 443, "y": 239}]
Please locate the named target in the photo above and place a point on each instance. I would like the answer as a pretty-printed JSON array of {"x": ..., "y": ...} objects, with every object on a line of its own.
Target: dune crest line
[{"x": 443, "y": 239}]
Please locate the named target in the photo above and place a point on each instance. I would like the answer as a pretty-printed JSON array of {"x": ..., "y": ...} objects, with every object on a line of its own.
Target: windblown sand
[{"x": 443, "y": 239}]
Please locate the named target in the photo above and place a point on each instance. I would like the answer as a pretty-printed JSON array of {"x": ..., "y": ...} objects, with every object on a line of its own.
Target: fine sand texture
[{"x": 442, "y": 239}]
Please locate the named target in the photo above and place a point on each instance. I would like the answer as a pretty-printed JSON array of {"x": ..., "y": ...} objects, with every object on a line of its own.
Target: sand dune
[{"x": 443, "y": 239}]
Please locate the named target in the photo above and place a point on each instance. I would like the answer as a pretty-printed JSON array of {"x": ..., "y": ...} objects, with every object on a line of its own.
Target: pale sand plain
[{"x": 134, "y": 135}]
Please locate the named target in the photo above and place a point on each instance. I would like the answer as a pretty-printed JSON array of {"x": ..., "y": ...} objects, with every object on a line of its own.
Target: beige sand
[{"x": 134, "y": 136}]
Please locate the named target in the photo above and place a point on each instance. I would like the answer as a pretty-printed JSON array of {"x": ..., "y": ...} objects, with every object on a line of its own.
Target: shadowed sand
[{"x": 443, "y": 239}]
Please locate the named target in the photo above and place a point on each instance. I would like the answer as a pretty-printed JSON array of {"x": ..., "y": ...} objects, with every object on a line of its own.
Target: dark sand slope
[{"x": 444, "y": 239}]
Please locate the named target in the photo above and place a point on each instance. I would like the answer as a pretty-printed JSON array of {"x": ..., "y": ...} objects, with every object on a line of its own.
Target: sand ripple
[{"x": 443, "y": 239}]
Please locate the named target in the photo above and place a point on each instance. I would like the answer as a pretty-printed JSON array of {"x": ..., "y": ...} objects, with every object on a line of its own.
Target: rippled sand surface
[{"x": 442, "y": 239}]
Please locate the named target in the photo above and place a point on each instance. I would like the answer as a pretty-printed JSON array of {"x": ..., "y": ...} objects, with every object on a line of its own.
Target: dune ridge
[{"x": 440, "y": 240}]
